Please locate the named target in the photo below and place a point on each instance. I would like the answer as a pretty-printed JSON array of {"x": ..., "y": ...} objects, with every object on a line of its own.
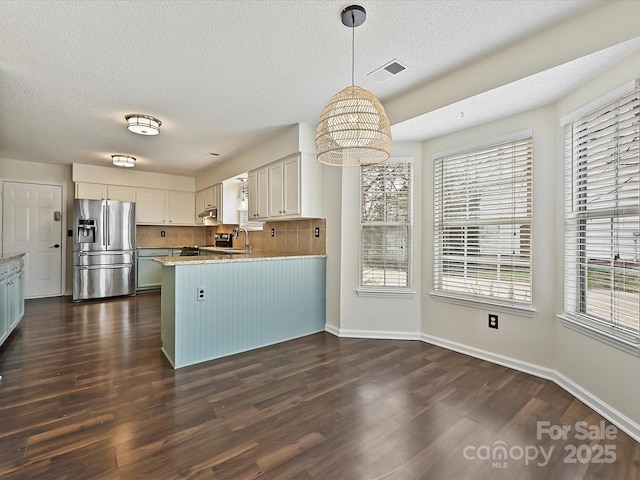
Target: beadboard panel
[
  {"x": 247, "y": 305},
  {"x": 168, "y": 308}
]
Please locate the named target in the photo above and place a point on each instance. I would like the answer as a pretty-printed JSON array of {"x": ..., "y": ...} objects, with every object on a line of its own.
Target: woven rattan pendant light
[{"x": 353, "y": 129}]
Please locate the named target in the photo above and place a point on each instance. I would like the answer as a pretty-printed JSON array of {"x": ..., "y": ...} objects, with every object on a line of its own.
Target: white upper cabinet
[
  {"x": 276, "y": 190},
  {"x": 210, "y": 197},
  {"x": 293, "y": 187},
  {"x": 162, "y": 207},
  {"x": 151, "y": 206},
  {"x": 181, "y": 207},
  {"x": 200, "y": 206},
  {"x": 259, "y": 194},
  {"x": 98, "y": 191}
]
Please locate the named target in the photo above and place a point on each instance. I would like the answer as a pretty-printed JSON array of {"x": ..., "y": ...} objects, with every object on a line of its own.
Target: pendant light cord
[{"x": 353, "y": 48}]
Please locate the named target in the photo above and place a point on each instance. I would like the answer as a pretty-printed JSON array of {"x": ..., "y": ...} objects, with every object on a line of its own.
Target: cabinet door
[
  {"x": 209, "y": 198},
  {"x": 182, "y": 207},
  {"x": 258, "y": 194},
  {"x": 200, "y": 206},
  {"x": 252, "y": 185},
  {"x": 263, "y": 193},
  {"x": 276, "y": 200},
  {"x": 291, "y": 186},
  {"x": 151, "y": 206},
  {"x": 13, "y": 306},
  {"x": 216, "y": 194},
  {"x": 149, "y": 274},
  {"x": 91, "y": 191},
  {"x": 4, "y": 310},
  {"x": 121, "y": 194}
]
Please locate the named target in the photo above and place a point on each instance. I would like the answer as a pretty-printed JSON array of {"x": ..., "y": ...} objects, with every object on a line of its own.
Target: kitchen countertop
[
  {"x": 256, "y": 255},
  {"x": 10, "y": 256}
]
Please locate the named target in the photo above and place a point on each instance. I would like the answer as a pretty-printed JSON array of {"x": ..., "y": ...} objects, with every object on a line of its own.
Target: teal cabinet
[
  {"x": 219, "y": 308},
  {"x": 148, "y": 272}
]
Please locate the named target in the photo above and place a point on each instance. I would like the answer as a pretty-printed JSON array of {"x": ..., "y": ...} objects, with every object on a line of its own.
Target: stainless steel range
[
  {"x": 189, "y": 251},
  {"x": 223, "y": 239}
]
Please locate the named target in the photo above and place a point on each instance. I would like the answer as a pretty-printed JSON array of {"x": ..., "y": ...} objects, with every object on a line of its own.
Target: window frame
[
  {"x": 517, "y": 307},
  {"x": 577, "y": 215},
  {"x": 399, "y": 291}
]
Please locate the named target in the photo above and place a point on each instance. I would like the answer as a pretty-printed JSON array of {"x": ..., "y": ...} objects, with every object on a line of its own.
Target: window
[
  {"x": 602, "y": 222},
  {"x": 385, "y": 225},
  {"x": 482, "y": 223}
]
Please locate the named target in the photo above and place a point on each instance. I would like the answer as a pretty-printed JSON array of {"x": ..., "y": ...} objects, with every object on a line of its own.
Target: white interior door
[{"x": 30, "y": 225}]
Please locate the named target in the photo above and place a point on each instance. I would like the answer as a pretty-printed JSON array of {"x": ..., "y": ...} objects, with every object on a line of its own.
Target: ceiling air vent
[{"x": 389, "y": 70}]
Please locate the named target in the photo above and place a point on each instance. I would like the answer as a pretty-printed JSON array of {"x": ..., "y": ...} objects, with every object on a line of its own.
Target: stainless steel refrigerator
[{"x": 104, "y": 249}]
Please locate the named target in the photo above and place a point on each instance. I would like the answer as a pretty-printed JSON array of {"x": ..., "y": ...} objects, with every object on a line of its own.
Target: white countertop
[
  {"x": 10, "y": 256},
  {"x": 255, "y": 256}
]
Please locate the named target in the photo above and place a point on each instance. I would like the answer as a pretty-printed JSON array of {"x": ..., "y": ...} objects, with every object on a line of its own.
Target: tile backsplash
[
  {"x": 295, "y": 236},
  {"x": 151, "y": 236}
]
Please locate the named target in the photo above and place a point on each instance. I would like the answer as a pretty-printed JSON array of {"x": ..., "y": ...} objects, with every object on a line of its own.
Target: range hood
[{"x": 209, "y": 213}]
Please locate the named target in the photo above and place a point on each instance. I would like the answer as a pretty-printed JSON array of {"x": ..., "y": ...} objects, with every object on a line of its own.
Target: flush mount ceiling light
[
  {"x": 143, "y": 124},
  {"x": 123, "y": 160},
  {"x": 354, "y": 129}
]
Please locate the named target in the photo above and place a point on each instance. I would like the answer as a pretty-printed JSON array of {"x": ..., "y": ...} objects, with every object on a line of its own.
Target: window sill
[
  {"x": 521, "y": 310},
  {"x": 386, "y": 292},
  {"x": 628, "y": 346}
]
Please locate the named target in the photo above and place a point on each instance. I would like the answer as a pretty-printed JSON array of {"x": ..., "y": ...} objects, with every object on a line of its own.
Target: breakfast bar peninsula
[{"x": 226, "y": 303}]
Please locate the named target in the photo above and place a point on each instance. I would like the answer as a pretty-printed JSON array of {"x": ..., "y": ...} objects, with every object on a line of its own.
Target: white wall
[
  {"x": 131, "y": 178},
  {"x": 279, "y": 146},
  {"x": 606, "y": 375},
  {"x": 527, "y": 339},
  {"x": 376, "y": 316},
  {"x": 606, "y": 372}
]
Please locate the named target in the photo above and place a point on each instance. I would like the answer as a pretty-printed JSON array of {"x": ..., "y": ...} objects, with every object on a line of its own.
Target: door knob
[{"x": 55, "y": 246}]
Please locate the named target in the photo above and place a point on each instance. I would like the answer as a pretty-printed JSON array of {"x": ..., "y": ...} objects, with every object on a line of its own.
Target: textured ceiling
[{"x": 224, "y": 75}]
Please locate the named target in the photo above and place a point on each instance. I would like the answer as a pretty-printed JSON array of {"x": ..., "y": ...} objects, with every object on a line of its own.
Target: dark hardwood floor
[{"x": 87, "y": 394}]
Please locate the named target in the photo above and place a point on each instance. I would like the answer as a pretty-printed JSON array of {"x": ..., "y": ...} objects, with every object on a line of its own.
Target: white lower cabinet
[{"x": 11, "y": 296}]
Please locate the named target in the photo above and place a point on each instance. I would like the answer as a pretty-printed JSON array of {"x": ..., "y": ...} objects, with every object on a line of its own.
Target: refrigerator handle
[
  {"x": 108, "y": 220},
  {"x": 104, "y": 225}
]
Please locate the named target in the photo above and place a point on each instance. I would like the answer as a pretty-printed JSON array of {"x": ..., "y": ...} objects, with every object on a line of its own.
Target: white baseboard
[
  {"x": 381, "y": 334},
  {"x": 623, "y": 422}
]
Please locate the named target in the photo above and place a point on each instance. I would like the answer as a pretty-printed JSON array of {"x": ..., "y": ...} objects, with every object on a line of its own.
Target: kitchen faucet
[{"x": 236, "y": 231}]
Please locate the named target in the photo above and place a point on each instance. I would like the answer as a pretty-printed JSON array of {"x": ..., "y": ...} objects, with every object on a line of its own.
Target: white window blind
[
  {"x": 482, "y": 223},
  {"x": 602, "y": 222},
  {"x": 385, "y": 225}
]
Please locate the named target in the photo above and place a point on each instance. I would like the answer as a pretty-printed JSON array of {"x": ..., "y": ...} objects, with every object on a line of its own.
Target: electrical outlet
[
  {"x": 273, "y": 232},
  {"x": 493, "y": 321},
  {"x": 202, "y": 294},
  {"x": 162, "y": 233},
  {"x": 210, "y": 232},
  {"x": 317, "y": 232}
]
